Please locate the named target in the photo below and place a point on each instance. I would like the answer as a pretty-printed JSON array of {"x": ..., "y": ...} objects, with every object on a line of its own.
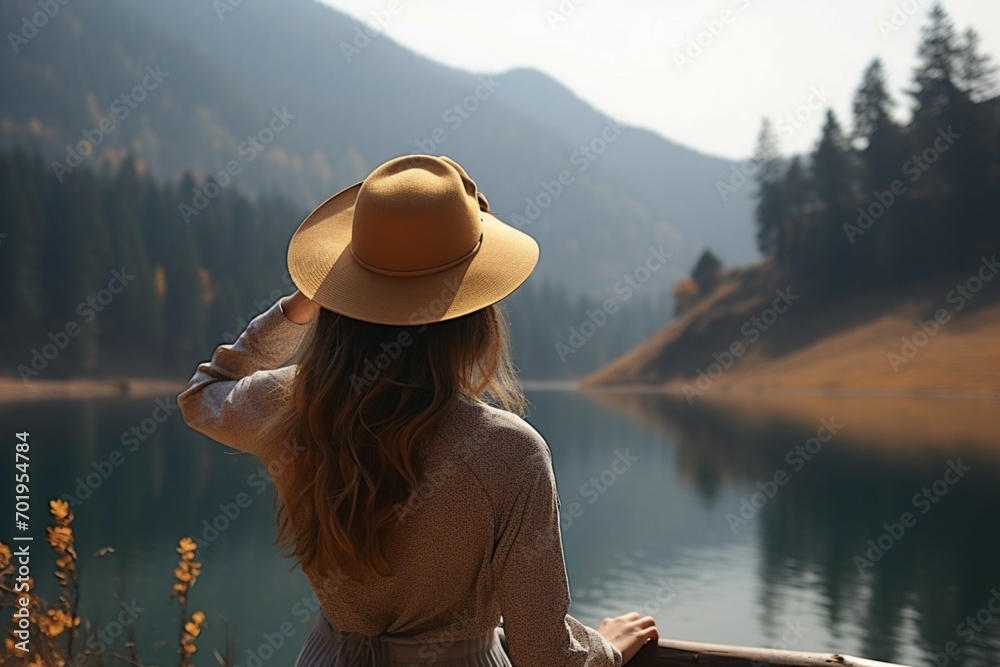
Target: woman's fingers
[
  {"x": 629, "y": 633},
  {"x": 298, "y": 308},
  {"x": 645, "y": 622}
]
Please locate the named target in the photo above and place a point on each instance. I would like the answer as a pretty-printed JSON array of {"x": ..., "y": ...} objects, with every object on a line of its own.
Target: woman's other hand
[
  {"x": 628, "y": 633},
  {"x": 298, "y": 308}
]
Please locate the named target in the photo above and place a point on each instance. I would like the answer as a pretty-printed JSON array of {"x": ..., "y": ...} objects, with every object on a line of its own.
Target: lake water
[{"x": 740, "y": 522}]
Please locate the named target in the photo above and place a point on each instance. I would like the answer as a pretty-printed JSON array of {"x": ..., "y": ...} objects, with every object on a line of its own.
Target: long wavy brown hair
[{"x": 363, "y": 398}]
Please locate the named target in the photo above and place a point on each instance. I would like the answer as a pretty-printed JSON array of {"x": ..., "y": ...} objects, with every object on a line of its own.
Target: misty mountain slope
[
  {"x": 678, "y": 182},
  {"x": 69, "y": 75},
  {"x": 674, "y": 187},
  {"x": 346, "y": 117}
]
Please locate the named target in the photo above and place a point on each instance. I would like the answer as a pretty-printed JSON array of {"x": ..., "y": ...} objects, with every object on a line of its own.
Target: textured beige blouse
[{"x": 479, "y": 540}]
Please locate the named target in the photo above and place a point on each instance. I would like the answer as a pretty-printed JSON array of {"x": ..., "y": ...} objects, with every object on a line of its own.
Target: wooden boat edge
[{"x": 675, "y": 653}]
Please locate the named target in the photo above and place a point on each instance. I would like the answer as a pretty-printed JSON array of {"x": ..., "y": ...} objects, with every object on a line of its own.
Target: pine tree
[
  {"x": 79, "y": 267},
  {"x": 135, "y": 321},
  {"x": 706, "y": 272},
  {"x": 770, "y": 204},
  {"x": 831, "y": 165},
  {"x": 798, "y": 198},
  {"x": 22, "y": 253},
  {"x": 935, "y": 92},
  {"x": 832, "y": 175},
  {"x": 184, "y": 310},
  {"x": 976, "y": 74},
  {"x": 883, "y": 144},
  {"x": 872, "y": 102},
  {"x": 950, "y": 78}
]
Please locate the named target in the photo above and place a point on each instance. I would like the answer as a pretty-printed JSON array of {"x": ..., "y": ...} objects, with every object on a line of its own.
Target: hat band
[{"x": 418, "y": 272}]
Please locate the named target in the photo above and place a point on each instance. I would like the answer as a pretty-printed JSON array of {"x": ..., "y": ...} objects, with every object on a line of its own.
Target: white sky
[{"x": 619, "y": 54}]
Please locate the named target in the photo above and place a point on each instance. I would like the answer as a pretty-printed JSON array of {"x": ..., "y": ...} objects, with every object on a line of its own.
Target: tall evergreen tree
[
  {"x": 22, "y": 249},
  {"x": 770, "y": 215},
  {"x": 80, "y": 266},
  {"x": 799, "y": 200},
  {"x": 882, "y": 143},
  {"x": 832, "y": 175},
  {"x": 831, "y": 165},
  {"x": 184, "y": 307},
  {"x": 872, "y": 102},
  {"x": 951, "y": 76},
  {"x": 935, "y": 76},
  {"x": 136, "y": 320},
  {"x": 706, "y": 271},
  {"x": 976, "y": 73}
]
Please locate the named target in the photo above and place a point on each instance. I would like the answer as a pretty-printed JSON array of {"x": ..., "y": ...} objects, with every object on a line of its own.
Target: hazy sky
[{"x": 627, "y": 57}]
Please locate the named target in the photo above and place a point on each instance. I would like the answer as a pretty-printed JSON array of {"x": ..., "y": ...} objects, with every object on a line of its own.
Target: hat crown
[{"x": 415, "y": 214}]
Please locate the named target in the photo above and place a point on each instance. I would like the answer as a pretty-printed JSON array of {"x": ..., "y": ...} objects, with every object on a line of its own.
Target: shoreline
[
  {"x": 673, "y": 389},
  {"x": 15, "y": 390}
]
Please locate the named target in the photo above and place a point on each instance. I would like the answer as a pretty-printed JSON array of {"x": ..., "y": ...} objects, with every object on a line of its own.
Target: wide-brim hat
[{"x": 413, "y": 243}]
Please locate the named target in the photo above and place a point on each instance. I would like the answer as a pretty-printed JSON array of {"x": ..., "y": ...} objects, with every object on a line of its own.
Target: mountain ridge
[{"x": 227, "y": 75}]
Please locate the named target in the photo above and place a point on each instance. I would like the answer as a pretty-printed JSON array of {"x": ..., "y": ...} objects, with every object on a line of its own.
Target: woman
[{"x": 420, "y": 514}]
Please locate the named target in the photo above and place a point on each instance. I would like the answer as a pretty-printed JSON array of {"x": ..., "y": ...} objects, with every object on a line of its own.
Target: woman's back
[
  {"x": 479, "y": 537},
  {"x": 444, "y": 549},
  {"x": 420, "y": 514}
]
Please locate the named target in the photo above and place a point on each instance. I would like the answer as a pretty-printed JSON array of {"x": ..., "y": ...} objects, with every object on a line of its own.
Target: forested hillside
[
  {"x": 102, "y": 277},
  {"x": 885, "y": 203},
  {"x": 224, "y": 77},
  {"x": 887, "y": 235}
]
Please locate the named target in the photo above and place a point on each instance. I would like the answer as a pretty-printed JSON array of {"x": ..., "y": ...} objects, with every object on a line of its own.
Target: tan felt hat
[{"x": 411, "y": 244}]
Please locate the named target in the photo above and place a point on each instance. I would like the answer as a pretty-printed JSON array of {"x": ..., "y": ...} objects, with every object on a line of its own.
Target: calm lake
[{"x": 868, "y": 526}]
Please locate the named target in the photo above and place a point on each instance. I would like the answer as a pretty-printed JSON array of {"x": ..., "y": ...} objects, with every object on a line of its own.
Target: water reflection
[
  {"x": 922, "y": 581},
  {"x": 648, "y": 486}
]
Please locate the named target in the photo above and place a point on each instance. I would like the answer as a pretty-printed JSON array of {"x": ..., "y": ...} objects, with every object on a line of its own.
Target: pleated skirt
[{"x": 327, "y": 646}]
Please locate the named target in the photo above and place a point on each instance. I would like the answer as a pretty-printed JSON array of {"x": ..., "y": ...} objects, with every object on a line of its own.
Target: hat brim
[{"x": 322, "y": 266}]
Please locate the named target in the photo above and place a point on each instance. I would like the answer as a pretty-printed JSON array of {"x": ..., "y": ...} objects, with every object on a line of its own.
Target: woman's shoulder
[{"x": 499, "y": 439}]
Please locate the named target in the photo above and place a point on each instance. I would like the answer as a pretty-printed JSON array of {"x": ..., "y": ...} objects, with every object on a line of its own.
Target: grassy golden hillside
[{"x": 729, "y": 341}]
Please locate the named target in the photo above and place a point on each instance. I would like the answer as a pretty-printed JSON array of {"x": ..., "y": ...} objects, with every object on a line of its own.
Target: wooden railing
[{"x": 670, "y": 653}]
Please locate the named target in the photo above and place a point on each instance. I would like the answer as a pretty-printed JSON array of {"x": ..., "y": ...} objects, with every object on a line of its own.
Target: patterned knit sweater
[{"x": 480, "y": 538}]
